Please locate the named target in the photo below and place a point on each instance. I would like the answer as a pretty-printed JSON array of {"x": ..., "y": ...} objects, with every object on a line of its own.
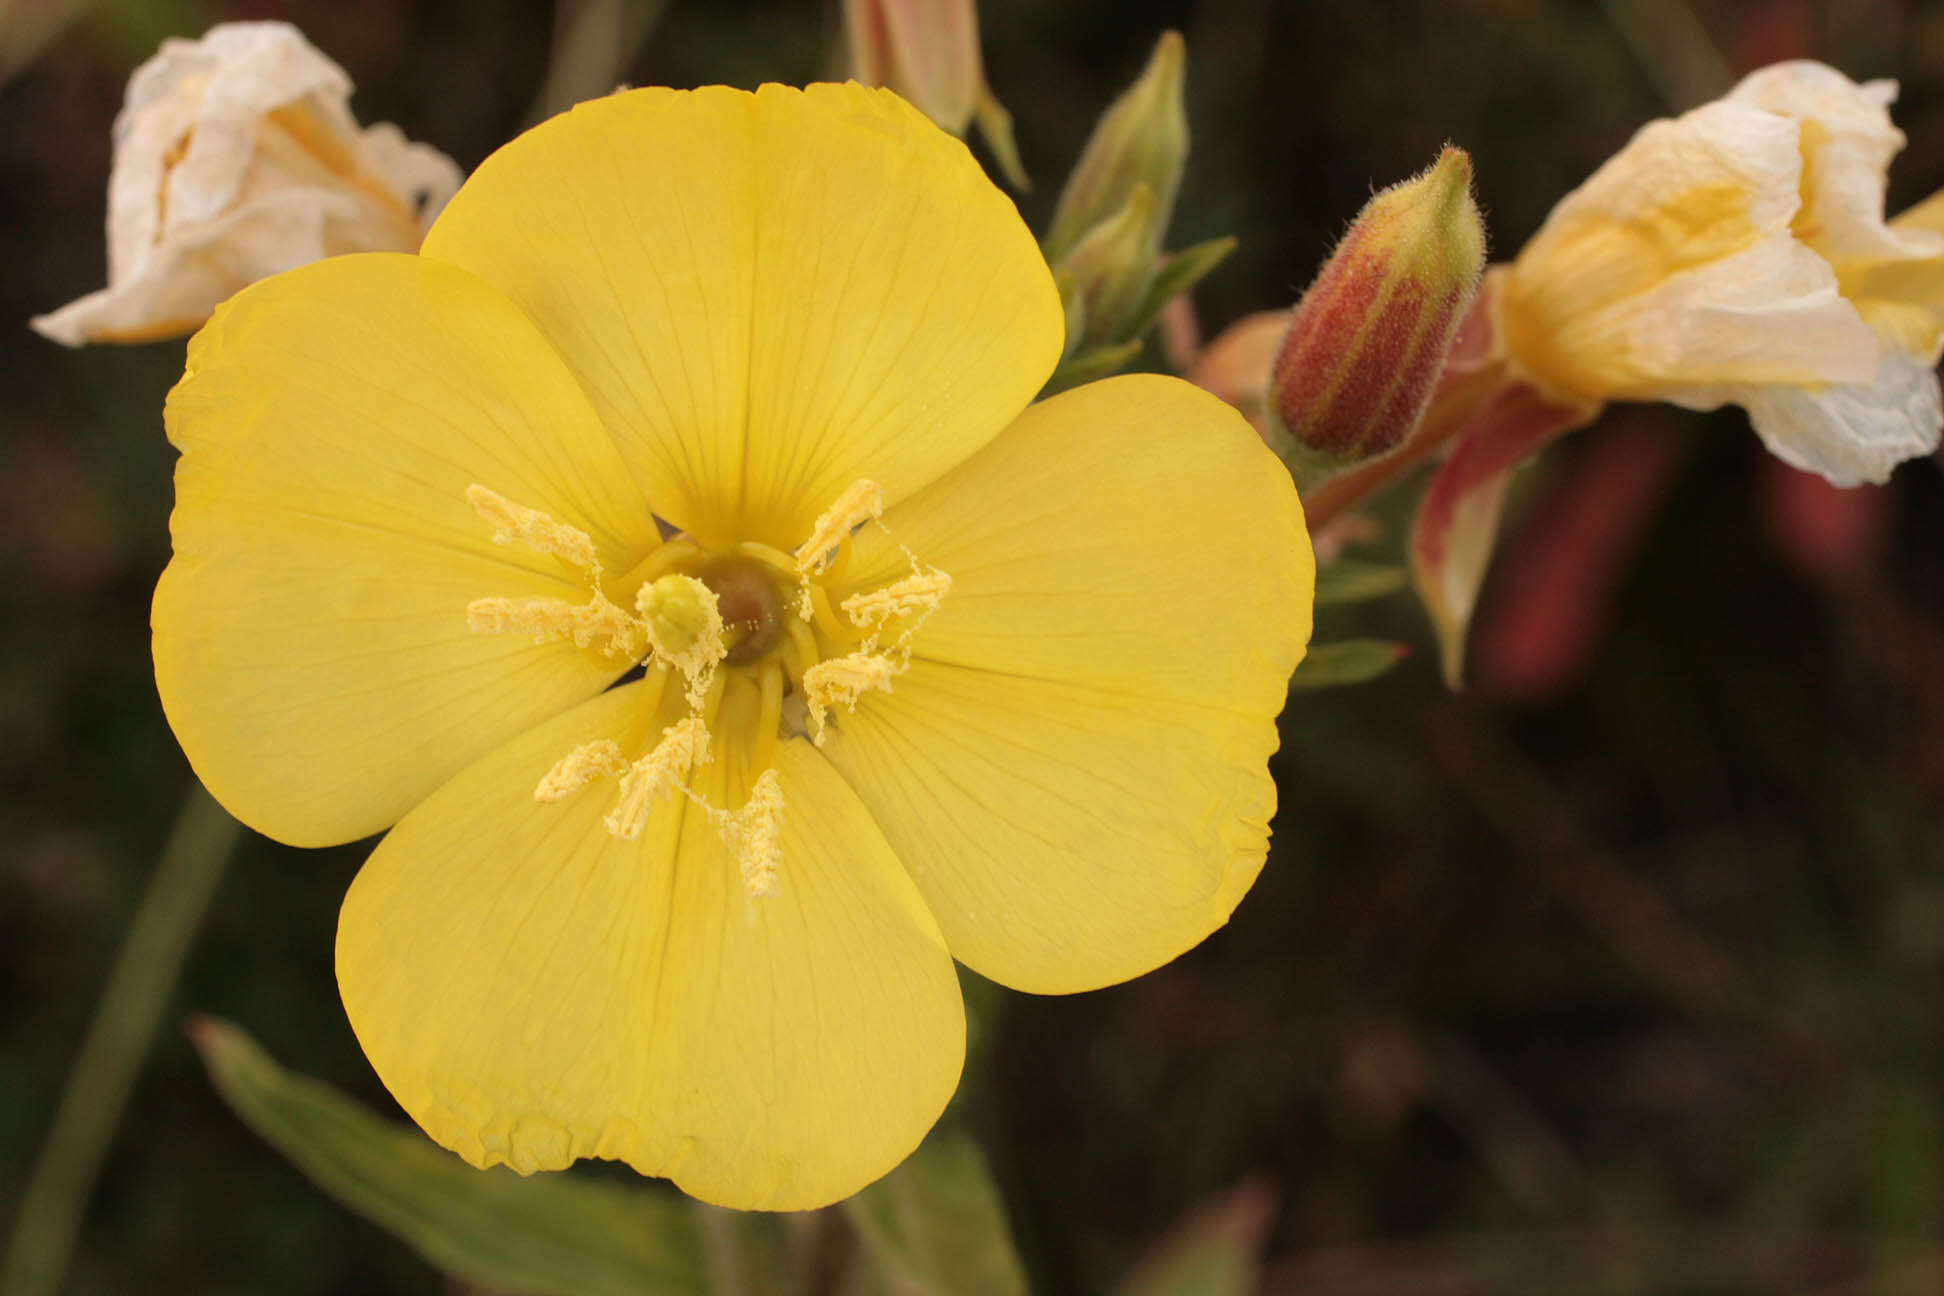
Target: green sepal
[
  {"x": 996, "y": 128},
  {"x": 1179, "y": 272},
  {"x": 1097, "y": 363}
]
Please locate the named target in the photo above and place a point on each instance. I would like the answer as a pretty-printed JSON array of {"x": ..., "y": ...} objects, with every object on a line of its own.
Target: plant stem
[
  {"x": 1451, "y": 409},
  {"x": 132, "y": 1003}
]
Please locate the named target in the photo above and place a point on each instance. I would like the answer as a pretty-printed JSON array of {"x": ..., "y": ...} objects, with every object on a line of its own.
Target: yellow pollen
[
  {"x": 683, "y": 746},
  {"x": 578, "y": 768},
  {"x": 840, "y": 681},
  {"x": 863, "y": 502},
  {"x": 684, "y": 627},
  {"x": 922, "y": 591},
  {"x": 553, "y": 619},
  {"x": 754, "y": 835},
  {"x": 539, "y": 532}
]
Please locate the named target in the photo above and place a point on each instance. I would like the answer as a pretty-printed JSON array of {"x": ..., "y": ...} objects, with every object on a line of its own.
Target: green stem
[{"x": 125, "y": 1021}]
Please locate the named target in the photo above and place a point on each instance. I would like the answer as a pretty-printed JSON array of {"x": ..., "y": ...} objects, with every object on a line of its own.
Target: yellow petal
[
  {"x": 311, "y": 643},
  {"x": 1066, "y": 837},
  {"x": 1915, "y": 330},
  {"x": 767, "y": 296},
  {"x": 534, "y": 990},
  {"x": 1074, "y": 768}
]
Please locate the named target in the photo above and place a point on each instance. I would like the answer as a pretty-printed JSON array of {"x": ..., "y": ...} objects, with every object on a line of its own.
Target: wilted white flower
[
  {"x": 928, "y": 52},
  {"x": 1738, "y": 254},
  {"x": 237, "y": 157}
]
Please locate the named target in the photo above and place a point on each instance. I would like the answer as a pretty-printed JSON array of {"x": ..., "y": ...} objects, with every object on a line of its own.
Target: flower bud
[
  {"x": 1368, "y": 340},
  {"x": 928, "y": 52},
  {"x": 236, "y": 158},
  {"x": 925, "y": 50},
  {"x": 1104, "y": 279},
  {"x": 1141, "y": 139}
]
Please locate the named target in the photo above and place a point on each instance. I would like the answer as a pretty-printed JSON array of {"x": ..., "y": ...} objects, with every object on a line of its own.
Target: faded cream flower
[
  {"x": 236, "y": 157},
  {"x": 1738, "y": 254}
]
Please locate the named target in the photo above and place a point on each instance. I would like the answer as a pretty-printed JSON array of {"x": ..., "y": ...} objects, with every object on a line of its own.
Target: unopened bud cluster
[
  {"x": 1368, "y": 340},
  {"x": 1105, "y": 242}
]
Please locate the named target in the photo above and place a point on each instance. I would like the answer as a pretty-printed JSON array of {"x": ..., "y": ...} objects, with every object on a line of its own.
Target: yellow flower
[
  {"x": 1738, "y": 254},
  {"x": 236, "y": 157},
  {"x": 926, "y": 676}
]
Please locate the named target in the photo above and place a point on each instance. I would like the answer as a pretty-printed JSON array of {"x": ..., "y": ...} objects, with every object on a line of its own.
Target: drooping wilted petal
[{"x": 236, "y": 157}]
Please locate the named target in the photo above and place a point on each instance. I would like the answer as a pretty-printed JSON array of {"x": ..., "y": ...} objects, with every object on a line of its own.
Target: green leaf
[
  {"x": 1349, "y": 581},
  {"x": 1348, "y": 661},
  {"x": 548, "y": 1235},
  {"x": 935, "y": 1226},
  {"x": 1093, "y": 364},
  {"x": 1217, "y": 1251},
  {"x": 1177, "y": 274}
]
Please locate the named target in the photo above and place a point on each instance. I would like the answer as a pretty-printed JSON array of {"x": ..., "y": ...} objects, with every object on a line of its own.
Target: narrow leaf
[
  {"x": 1177, "y": 274},
  {"x": 1093, "y": 364},
  {"x": 1349, "y": 581},
  {"x": 1348, "y": 661},
  {"x": 935, "y": 1226},
  {"x": 548, "y": 1235},
  {"x": 1216, "y": 1251}
]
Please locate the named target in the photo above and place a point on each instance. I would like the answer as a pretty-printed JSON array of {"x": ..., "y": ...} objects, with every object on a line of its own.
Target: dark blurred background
[{"x": 1619, "y": 973}]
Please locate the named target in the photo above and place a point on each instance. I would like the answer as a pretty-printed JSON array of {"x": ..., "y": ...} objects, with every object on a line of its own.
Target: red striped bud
[{"x": 1368, "y": 340}]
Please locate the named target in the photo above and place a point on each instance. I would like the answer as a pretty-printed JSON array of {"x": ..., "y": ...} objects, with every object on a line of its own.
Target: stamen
[
  {"x": 769, "y": 556},
  {"x": 840, "y": 681},
  {"x": 683, "y": 746},
  {"x": 803, "y": 645},
  {"x": 922, "y": 591},
  {"x": 578, "y": 768},
  {"x": 769, "y": 714},
  {"x": 684, "y": 627},
  {"x": 833, "y": 573},
  {"x": 819, "y": 611},
  {"x": 539, "y": 532},
  {"x": 863, "y": 502},
  {"x": 548, "y": 620},
  {"x": 754, "y": 835}
]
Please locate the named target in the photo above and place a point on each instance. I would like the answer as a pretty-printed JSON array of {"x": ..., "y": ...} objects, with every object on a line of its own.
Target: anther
[
  {"x": 553, "y": 619},
  {"x": 862, "y": 502},
  {"x": 539, "y": 532},
  {"x": 840, "y": 681},
  {"x": 578, "y": 768},
  {"x": 754, "y": 835},
  {"x": 922, "y": 591},
  {"x": 683, "y": 746}
]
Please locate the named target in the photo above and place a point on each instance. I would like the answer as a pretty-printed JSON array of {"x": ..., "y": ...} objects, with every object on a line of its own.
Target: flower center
[
  {"x": 749, "y": 617},
  {"x": 753, "y": 611}
]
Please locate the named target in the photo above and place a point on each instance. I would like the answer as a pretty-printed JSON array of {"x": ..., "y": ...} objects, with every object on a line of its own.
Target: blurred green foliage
[{"x": 1622, "y": 975}]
